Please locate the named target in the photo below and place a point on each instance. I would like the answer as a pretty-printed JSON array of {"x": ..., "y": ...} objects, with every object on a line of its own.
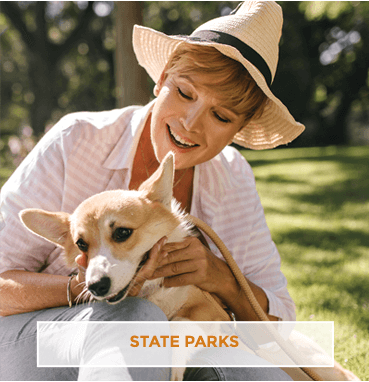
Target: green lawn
[
  {"x": 316, "y": 202},
  {"x": 6, "y": 164},
  {"x": 5, "y": 172}
]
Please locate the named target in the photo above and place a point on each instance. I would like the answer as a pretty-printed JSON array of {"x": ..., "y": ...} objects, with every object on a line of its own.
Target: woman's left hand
[{"x": 191, "y": 263}]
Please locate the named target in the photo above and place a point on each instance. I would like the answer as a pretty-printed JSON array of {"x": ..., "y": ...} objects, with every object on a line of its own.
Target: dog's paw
[{"x": 177, "y": 373}]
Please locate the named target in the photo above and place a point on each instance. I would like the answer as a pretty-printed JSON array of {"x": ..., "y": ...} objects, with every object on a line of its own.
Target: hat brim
[{"x": 275, "y": 127}]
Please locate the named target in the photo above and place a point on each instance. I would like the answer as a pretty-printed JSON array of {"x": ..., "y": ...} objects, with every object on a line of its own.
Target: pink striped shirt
[{"x": 89, "y": 152}]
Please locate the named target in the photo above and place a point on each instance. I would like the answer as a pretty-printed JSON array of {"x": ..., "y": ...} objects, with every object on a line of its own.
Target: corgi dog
[{"x": 117, "y": 229}]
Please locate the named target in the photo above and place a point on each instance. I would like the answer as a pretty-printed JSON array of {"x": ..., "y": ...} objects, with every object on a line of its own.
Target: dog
[{"x": 117, "y": 230}]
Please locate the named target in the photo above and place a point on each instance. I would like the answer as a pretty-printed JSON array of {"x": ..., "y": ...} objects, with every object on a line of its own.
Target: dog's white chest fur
[{"x": 170, "y": 300}]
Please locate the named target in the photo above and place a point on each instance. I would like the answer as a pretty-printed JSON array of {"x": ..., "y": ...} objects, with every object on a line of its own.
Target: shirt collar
[{"x": 123, "y": 153}]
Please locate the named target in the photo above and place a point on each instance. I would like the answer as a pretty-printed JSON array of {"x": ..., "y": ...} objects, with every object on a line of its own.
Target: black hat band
[{"x": 247, "y": 52}]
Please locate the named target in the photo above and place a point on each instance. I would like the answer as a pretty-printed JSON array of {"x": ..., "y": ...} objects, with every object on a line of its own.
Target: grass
[
  {"x": 5, "y": 172},
  {"x": 6, "y": 164},
  {"x": 316, "y": 202}
]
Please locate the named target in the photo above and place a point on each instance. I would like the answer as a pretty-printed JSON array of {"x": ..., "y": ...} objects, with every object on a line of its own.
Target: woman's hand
[
  {"x": 192, "y": 263},
  {"x": 145, "y": 273}
]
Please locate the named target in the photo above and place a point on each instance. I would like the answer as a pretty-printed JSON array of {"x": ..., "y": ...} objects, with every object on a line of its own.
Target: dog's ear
[
  {"x": 52, "y": 226},
  {"x": 159, "y": 187}
]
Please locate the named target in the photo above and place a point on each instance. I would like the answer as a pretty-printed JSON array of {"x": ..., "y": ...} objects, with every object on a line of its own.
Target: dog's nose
[{"x": 101, "y": 287}]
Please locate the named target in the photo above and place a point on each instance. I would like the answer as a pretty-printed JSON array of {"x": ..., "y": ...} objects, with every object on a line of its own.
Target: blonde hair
[{"x": 236, "y": 88}]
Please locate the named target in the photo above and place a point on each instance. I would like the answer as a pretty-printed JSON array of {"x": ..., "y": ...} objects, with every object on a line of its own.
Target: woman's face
[{"x": 188, "y": 119}]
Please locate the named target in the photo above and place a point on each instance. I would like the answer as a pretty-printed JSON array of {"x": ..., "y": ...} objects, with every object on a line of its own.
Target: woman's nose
[{"x": 193, "y": 118}]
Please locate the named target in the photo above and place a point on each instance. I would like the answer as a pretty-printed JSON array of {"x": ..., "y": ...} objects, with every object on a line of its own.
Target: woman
[{"x": 212, "y": 88}]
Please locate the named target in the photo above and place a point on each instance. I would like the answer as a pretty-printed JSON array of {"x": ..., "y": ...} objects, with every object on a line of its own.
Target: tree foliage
[
  {"x": 58, "y": 57},
  {"x": 323, "y": 72}
]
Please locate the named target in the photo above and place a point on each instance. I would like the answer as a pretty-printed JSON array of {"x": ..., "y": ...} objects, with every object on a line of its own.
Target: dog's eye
[
  {"x": 82, "y": 245},
  {"x": 121, "y": 234}
]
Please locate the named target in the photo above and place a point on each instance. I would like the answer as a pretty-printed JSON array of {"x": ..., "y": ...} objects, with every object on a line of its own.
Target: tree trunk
[
  {"x": 131, "y": 80},
  {"x": 43, "y": 57},
  {"x": 41, "y": 81}
]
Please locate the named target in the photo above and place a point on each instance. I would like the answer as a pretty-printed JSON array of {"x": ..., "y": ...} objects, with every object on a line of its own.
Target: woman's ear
[
  {"x": 156, "y": 90},
  {"x": 160, "y": 82}
]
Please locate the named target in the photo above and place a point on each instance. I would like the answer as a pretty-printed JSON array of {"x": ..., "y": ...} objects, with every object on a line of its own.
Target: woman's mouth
[{"x": 179, "y": 141}]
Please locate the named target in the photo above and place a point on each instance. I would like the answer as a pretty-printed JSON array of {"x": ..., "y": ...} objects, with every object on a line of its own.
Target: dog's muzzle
[{"x": 100, "y": 289}]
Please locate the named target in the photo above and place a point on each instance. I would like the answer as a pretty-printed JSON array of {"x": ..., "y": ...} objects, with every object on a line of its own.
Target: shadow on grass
[
  {"x": 324, "y": 265},
  {"x": 327, "y": 240},
  {"x": 344, "y": 296},
  {"x": 332, "y": 197},
  {"x": 324, "y": 273},
  {"x": 349, "y": 154},
  {"x": 275, "y": 178},
  {"x": 352, "y": 185}
]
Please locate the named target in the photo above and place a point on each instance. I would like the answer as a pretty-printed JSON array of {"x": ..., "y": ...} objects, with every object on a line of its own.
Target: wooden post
[{"x": 132, "y": 85}]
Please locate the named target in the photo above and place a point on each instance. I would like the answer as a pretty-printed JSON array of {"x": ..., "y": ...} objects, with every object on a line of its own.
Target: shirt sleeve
[
  {"x": 36, "y": 183},
  {"x": 239, "y": 221}
]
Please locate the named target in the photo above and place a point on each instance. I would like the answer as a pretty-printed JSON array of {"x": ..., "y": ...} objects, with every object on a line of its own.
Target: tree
[
  {"x": 131, "y": 80},
  {"x": 51, "y": 35},
  {"x": 323, "y": 71}
]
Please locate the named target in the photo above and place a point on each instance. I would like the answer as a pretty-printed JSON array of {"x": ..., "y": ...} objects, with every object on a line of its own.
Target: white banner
[{"x": 185, "y": 343}]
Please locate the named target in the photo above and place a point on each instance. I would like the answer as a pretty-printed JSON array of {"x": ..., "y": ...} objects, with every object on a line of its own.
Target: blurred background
[{"x": 59, "y": 57}]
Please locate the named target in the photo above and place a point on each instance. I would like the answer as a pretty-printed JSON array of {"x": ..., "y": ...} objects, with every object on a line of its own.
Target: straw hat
[{"x": 250, "y": 35}]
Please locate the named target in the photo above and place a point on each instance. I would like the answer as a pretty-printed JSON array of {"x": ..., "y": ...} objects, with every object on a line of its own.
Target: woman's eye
[
  {"x": 221, "y": 119},
  {"x": 82, "y": 245},
  {"x": 183, "y": 95}
]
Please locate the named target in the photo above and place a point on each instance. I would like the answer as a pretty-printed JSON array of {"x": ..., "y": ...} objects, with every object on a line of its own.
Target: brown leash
[{"x": 287, "y": 348}]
